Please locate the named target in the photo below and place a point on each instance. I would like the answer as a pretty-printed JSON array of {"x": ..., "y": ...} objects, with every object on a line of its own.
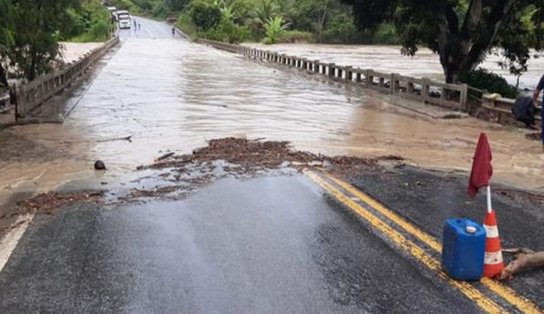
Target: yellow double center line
[{"x": 418, "y": 253}]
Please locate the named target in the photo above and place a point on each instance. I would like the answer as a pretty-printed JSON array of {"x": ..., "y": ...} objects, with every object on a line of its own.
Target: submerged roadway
[{"x": 303, "y": 243}]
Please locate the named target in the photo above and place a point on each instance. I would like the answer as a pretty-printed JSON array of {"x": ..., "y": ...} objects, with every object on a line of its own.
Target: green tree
[
  {"x": 462, "y": 32},
  {"x": 275, "y": 28},
  {"x": 265, "y": 10},
  {"x": 90, "y": 22},
  {"x": 205, "y": 15},
  {"x": 6, "y": 36},
  {"x": 177, "y": 5},
  {"x": 35, "y": 31}
]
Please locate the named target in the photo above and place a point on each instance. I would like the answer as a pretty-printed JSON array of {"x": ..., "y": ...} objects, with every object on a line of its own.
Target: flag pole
[{"x": 489, "y": 207}]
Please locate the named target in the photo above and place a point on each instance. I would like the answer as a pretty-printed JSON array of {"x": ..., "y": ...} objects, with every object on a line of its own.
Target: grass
[{"x": 187, "y": 26}]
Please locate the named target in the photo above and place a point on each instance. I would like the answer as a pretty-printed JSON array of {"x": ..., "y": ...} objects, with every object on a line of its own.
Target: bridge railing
[
  {"x": 502, "y": 109},
  {"x": 33, "y": 94},
  {"x": 451, "y": 96}
]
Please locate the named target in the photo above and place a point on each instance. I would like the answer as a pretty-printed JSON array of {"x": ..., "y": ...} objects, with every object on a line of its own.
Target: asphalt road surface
[
  {"x": 148, "y": 29},
  {"x": 269, "y": 245}
]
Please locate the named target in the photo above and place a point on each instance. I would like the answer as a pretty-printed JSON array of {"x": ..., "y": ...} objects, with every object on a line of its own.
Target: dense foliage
[
  {"x": 6, "y": 36},
  {"x": 462, "y": 32},
  {"x": 91, "y": 22},
  {"x": 493, "y": 83},
  {"x": 35, "y": 27},
  {"x": 30, "y": 31},
  {"x": 307, "y": 20}
]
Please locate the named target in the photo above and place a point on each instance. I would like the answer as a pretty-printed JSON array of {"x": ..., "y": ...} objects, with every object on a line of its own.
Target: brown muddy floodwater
[
  {"x": 172, "y": 95},
  {"x": 388, "y": 59}
]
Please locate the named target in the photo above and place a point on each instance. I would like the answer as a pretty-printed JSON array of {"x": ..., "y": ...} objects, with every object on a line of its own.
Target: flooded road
[
  {"x": 388, "y": 59},
  {"x": 173, "y": 95}
]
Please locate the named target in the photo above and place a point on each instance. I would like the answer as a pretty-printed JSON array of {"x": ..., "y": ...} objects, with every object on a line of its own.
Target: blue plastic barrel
[{"x": 463, "y": 249}]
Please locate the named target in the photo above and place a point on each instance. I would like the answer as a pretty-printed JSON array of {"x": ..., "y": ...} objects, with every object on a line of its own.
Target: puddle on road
[{"x": 172, "y": 95}]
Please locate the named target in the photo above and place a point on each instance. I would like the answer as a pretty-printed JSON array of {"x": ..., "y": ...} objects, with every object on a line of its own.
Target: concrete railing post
[
  {"x": 369, "y": 78},
  {"x": 410, "y": 88},
  {"x": 394, "y": 83},
  {"x": 425, "y": 86},
  {"x": 349, "y": 74},
  {"x": 358, "y": 78},
  {"x": 464, "y": 97},
  {"x": 332, "y": 70}
]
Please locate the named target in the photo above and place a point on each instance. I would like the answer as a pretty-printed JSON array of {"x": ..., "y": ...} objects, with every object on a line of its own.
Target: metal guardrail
[
  {"x": 34, "y": 94},
  {"x": 451, "y": 96}
]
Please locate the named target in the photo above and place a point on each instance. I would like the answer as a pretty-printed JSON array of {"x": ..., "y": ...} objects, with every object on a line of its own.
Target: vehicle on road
[{"x": 124, "y": 19}]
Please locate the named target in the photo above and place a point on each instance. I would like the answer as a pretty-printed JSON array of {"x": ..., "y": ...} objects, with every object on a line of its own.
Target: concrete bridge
[{"x": 281, "y": 241}]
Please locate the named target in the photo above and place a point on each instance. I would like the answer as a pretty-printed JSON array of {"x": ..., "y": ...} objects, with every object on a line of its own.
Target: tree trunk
[
  {"x": 463, "y": 47},
  {"x": 322, "y": 21},
  {"x": 3, "y": 77},
  {"x": 31, "y": 74},
  {"x": 451, "y": 70}
]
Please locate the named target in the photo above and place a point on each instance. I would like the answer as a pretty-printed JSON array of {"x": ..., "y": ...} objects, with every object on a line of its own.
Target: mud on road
[
  {"x": 425, "y": 198},
  {"x": 174, "y": 176}
]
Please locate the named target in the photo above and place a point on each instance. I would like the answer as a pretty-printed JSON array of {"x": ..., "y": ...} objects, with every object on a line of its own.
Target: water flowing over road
[
  {"x": 255, "y": 241},
  {"x": 171, "y": 94}
]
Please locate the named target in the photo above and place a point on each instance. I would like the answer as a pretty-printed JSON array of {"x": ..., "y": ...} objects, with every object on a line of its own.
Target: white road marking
[{"x": 11, "y": 239}]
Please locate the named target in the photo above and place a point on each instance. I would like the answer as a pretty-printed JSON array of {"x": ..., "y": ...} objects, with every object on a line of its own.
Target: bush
[
  {"x": 386, "y": 34},
  {"x": 160, "y": 11},
  {"x": 92, "y": 23},
  {"x": 275, "y": 29},
  {"x": 186, "y": 24},
  {"x": 228, "y": 31},
  {"x": 295, "y": 36},
  {"x": 204, "y": 15},
  {"x": 340, "y": 29},
  {"x": 493, "y": 83},
  {"x": 126, "y": 5}
]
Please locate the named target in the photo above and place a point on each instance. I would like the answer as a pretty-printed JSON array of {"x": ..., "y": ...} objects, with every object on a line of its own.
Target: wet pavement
[
  {"x": 428, "y": 198},
  {"x": 266, "y": 245},
  {"x": 269, "y": 244}
]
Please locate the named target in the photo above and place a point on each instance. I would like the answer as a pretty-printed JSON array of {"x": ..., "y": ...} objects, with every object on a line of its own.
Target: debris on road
[
  {"x": 521, "y": 196},
  {"x": 256, "y": 154},
  {"x": 161, "y": 191},
  {"x": 126, "y": 138},
  {"x": 165, "y": 156},
  {"x": 241, "y": 158},
  {"x": 524, "y": 259},
  {"x": 99, "y": 165},
  {"x": 47, "y": 203},
  {"x": 534, "y": 136}
]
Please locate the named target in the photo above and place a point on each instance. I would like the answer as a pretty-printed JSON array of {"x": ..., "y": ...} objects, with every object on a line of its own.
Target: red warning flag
[{"x": 482, "y": 170}]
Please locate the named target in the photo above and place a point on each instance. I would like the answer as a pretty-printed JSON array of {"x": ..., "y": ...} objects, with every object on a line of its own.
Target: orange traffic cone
[{"x": 493, "y": 262}]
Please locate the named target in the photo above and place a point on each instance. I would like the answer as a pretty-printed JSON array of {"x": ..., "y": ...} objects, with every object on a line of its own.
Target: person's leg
[{"x": 542, "y": 124}]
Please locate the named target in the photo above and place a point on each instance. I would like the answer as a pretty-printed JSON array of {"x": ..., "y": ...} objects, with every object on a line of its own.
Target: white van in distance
[{"x": 124, "y": 19}]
